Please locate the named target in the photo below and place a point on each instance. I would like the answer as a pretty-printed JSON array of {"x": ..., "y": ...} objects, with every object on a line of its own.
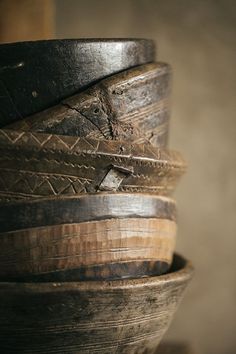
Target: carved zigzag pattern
[
  {"x": 39, "y": 185},
  {"x": 24, "y": 185},
  {"x": 43, "y": 140},
  {"x": 22, "y": 179},
  {"x": 141, "y": 152}
]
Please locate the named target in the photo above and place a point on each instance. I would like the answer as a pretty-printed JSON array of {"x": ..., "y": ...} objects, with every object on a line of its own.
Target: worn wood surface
[
  {"x": 125, "y": 317},
  {"x": 85, "y": 207},
  {"x": 37, "y": 75},
  {"x": 130, "y": 106},
  {"x": 35, "y": 164},
  {"x": 105, "y": 249}
]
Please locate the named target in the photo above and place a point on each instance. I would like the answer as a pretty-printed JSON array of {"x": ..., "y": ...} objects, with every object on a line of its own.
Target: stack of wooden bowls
[{"x": 87, "y": 221}]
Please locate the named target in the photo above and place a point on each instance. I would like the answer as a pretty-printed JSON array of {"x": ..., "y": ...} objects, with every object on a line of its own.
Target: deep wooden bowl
[
  {"x": 88, "y": 237},
  {"x": 116, "y": 317},
  {"x": 37, "y": 75}
]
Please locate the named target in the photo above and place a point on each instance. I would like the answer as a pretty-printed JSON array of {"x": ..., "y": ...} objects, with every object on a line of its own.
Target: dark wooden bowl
[
  {"x": 90, "y": 237},
  {"x": 37, "y": 75},
  {"x": 36, "y": 164},
  {"x": 116, "y": 317},
  {"x": 41, "y": 212},
  {"x": 130, "y": 106}
]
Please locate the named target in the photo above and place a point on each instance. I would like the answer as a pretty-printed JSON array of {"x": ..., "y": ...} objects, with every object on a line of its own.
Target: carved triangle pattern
[
  {"x": 39, "y": 140},
  {"x": 93, "y": 147},
  {"x": 40, "y": 185}
]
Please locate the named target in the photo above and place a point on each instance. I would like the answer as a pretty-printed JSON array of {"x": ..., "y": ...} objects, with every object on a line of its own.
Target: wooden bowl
[
  {"x": 116, "y": 317},
  {"x": 33, "y": 165},
  {"x": 105, "y": 249},
  {"x": 132, "y": 106},
  {"x": 37, "y": 75},
  {"x": 100, "y": 236}
]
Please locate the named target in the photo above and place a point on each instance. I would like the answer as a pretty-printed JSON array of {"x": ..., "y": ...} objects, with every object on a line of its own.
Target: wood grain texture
[
  {"x": 125, "y": 317},
  {"x": 85, "y": 207},
  {"x": 130, "y": 106},
  {"x": 116, "y": 244},
  {"x": 35, "y": 164},
  {"x": 37, "y": 75}
]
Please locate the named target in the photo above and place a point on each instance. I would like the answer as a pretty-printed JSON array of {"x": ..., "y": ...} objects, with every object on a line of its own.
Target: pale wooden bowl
[
  {"x": 88, "y": 237},
  {"x": 121, "y": 316},
  {"x": 105, "y": 249}
]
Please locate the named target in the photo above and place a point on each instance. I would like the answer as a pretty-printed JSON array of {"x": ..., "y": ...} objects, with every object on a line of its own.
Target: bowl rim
[
  {"x": 182, "y": 274},
  {"x": 72, "y": 40},
  {"x": 97, "y": 195}
]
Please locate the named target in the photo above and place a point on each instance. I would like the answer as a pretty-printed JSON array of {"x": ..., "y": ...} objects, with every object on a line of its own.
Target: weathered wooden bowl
[
  {"x": 132, "y": 106},
  {"x": 89, "y": 237},
  {"x": 37, "y": 164},
  {"x": 116, "y": 317},
  {"x": 37, "y": 75}
]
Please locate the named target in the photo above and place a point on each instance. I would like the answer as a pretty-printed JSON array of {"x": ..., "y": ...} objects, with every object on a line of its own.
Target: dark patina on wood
[
  {"x": 125, "y": 317},
  {"x": 37, "y": 75},
  {"x": 68, "y": 210},
  {"x": 130, "y": 106},
  {"x": 36, "y": 164},
  {"x": 101, "y": 272}
]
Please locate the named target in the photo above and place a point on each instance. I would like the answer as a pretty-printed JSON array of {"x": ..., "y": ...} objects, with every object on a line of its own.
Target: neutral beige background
[
  {"x": 199, "y": 39},
  {"x": 24, "y": 20}
]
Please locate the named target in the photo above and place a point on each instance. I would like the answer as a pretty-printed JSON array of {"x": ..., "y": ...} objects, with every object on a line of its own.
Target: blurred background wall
[
  {"x": 198, "y": 39},
  {"x": 22, "y": 20}
]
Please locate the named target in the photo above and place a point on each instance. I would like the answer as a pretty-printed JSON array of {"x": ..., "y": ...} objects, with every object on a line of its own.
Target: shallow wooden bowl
[
  {"x": 100, "y": 236},
  {"x": 123, "y": 316},
  {"x": 37, "y": 75}
]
